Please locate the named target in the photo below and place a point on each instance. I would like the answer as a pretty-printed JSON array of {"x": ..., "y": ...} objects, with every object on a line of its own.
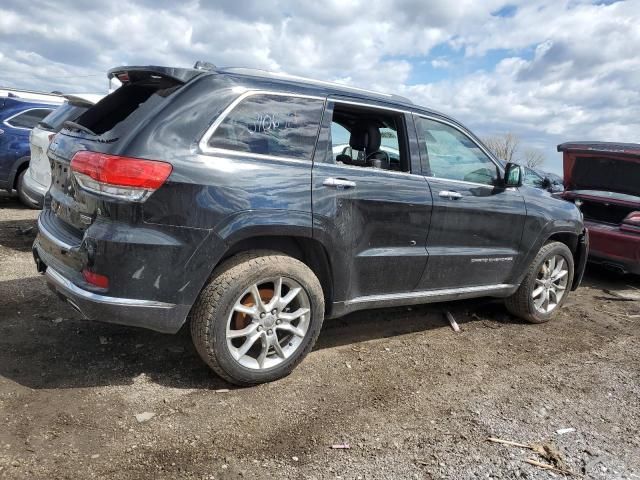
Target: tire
[
  {"x": 20, "y": 189},
  {"x": 229, "y": 288},
  {"x": 522, "y": 303}
]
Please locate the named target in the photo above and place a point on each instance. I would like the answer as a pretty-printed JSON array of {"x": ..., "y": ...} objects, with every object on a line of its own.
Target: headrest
[{"x": 365, "y": 136}]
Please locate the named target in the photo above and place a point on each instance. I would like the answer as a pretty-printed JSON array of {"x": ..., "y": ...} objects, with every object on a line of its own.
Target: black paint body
[{"x": 380, "y": 243}]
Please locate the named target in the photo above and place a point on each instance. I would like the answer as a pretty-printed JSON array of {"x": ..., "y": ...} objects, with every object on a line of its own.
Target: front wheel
[
  {"x": 258, "y": 317},
  {"x": 545, "y": 286}
]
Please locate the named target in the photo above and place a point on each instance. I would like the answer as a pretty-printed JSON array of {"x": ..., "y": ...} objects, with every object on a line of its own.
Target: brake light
[
  {"x": 631, "y": 223},
  {"x": 123, "y": 77},
  {"x": 95, "y": 279},
  {"x": 126, "y": 178}
]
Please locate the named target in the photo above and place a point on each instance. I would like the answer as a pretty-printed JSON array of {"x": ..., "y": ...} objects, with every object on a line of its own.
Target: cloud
[{"x": 547, "y": 70}]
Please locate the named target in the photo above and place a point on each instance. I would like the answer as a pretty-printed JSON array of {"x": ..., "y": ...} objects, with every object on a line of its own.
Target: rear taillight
[
  {"x": 126, "y": 178},
  {"x": 95, "y": 279},
  {"x": 631, "y": 223}
]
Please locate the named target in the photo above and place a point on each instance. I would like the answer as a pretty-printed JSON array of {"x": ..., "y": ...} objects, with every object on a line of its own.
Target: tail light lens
[
  {"x": 126, "y": 178},
  {"x": 631, "y": 223}
]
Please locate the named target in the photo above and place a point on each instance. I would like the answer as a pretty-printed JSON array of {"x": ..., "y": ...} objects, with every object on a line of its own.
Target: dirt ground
[{"x": 410, "y": 397}]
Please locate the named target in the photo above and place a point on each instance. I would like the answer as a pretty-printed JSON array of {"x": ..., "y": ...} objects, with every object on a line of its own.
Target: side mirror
[{"x": 513, "y": 175}]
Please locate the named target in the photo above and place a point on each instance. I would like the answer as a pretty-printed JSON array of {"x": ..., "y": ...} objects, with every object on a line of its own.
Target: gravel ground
[{"x": 410, "y": 397}]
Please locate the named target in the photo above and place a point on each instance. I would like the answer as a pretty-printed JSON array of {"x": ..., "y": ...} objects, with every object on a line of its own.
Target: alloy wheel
[
  {"x": 550, "y": 284},
  {"x": 268, "y": 323}
]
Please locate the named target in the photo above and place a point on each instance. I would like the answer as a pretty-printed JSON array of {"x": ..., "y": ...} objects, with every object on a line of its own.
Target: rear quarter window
[{"x": 276, "y": 125}]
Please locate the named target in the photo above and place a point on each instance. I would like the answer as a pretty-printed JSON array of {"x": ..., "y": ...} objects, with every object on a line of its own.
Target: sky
[{"x": 548, "y": 71}]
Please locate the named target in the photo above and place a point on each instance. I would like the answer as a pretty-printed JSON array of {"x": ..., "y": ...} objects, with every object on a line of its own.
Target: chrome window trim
[
  {"x": 371, "y": 169},
  {"x": 462, "y": 182},
  {"x": 203, "y": 144},
  {"x": 212, "y": 151},
  {"x": 204, "y": 147},
  {"x": 367, "y": 105},
  {"x": 8, "y": 119}
]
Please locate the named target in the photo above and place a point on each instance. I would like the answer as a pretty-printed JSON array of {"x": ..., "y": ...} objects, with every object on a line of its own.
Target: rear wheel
[
  {"x": 545, "y": 286},
  {"x": 258, "y": 317}
]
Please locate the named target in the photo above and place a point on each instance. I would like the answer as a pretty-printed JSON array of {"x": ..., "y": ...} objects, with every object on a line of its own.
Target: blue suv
[{"x": 17, "y": 117}]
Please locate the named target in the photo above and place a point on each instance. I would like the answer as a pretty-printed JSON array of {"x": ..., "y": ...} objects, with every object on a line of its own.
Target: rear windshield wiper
[{"x": 77, "y": 126}]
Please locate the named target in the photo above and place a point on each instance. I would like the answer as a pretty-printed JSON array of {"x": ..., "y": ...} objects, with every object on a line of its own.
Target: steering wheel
[{"x": 386, "y": 162}]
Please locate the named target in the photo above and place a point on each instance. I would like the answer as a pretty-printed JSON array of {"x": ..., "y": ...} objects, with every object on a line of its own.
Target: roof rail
[{"x": 311, "y": 81}]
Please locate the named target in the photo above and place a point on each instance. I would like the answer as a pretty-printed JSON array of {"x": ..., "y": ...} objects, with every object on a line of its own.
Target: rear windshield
[
  {"x": 120, "y": 105},
  {"x": 55, "y": 119}
]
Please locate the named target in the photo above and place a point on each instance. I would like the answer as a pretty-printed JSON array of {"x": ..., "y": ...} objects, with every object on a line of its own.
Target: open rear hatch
[
  {"x": 605, "y": 177},
  {"x": 608, "y": 167},
  {"x": 104, "y": 129}
]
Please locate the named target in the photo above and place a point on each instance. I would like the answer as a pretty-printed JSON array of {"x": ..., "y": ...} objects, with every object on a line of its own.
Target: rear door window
[
  {"x": 29, "y": 118},
  {"x": 274, "y": 125}
]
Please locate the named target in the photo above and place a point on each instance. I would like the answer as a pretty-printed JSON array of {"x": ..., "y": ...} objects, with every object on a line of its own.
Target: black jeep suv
[{"x": 257, "y": 204}]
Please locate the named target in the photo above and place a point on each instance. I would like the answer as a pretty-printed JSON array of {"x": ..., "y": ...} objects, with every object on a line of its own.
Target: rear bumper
[
  {"x": 614, "y": 248},
  {"x": 33, "y": 191},
  {"x": 158, "y": 316},
  {"x": 66, "y": 282}
]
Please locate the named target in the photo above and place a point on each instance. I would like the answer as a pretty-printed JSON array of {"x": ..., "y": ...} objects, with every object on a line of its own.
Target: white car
[{"x": 37, "y": 178}]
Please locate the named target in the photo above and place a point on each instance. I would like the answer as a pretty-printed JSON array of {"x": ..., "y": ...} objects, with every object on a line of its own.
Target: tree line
[{"x": 507, "y": 147}]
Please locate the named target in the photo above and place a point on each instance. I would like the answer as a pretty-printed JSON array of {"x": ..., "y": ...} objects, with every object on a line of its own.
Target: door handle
[
  {"x": 338, "y": 183},
  {"x": 450, "y": 195}
]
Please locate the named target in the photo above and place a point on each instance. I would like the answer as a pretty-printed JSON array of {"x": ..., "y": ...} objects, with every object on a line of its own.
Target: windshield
[{"x": 56, "y": 119}]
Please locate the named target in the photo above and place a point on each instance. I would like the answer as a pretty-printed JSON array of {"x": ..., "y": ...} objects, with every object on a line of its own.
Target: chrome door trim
[{"x": 428, "y": 295}]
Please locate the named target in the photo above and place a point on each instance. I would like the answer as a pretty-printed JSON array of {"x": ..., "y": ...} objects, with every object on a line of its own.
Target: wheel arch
[
  {"x": 19, "y": 166},
  {"x": 578, "y": 243},
  {"x": 575, "y": 241},
  {"x": 570, "y": 239},
  {"x": 308, "y": 250}
]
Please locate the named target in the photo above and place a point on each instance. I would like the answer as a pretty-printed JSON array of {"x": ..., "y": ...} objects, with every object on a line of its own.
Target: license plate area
[{"x": 61, "y": 177}]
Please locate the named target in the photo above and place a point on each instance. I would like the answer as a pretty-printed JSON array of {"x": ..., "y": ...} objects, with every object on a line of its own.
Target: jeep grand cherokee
[{"x": 221, "y": 197}]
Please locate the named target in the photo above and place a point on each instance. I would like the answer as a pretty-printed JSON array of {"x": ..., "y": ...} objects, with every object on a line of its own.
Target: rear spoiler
[
  {"x": 83, "y": 100},
  {"x": 153, "y": 75}
]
